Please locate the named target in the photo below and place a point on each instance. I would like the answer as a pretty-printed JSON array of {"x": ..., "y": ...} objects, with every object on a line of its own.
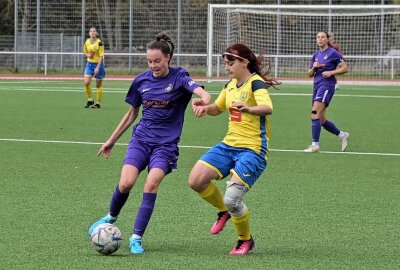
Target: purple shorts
[
  {"x": 142, "y": 154},
  {"x": 323, "y": 93}
]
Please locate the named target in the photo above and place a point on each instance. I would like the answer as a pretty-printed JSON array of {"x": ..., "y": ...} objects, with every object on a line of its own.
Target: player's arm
[
  {"x": 311, "y": 71},
  {"x": 211, "y": 109},
  {"x": 259, "y": 110},
  {"x": 101, "y": 57},
  {"x": 263, "y": 107},
  {"x": 86, "y": 52},
  {"x": 204, "y": 97},
  {"x": 125, "y": 123},
  {"x": 342, "y": 68}
]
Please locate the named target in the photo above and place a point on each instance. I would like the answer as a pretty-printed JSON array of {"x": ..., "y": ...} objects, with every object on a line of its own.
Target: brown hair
[
  {"x": 241, "y": 52},
  {"x": 163, "y": 43}
]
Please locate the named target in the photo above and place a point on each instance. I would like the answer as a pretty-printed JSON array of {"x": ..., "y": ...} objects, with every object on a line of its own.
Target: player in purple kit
[
  {"x": 325, "y": 65},
  {"x": 164, "y": 93}
]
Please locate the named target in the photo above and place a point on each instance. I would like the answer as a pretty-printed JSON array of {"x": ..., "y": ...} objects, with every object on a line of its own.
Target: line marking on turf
[
  {"x": 117, "y": 90},
  {"x": 206, "y": 147}
]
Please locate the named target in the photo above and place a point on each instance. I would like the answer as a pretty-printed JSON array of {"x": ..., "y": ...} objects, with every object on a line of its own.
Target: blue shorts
[
  {"x": 244, "y": 163},
  {"x": 323, "y": 93},
  {"x": 141, "y": 155},
  {"x": 90, "y": 67}
]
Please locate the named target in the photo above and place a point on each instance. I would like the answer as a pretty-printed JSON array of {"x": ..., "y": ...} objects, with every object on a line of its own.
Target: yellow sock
[
  {"x": 99, "y": 94},
  {"x": 212, "y": 195},
  {"x": 242, "y": 226},
  {"x": 88, "y": 90}
]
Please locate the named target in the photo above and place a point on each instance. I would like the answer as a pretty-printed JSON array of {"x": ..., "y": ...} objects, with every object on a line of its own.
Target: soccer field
[{"x": 330, "y": 210}]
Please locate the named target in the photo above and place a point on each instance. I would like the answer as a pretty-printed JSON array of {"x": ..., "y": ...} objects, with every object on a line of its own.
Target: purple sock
[
  {"x": 329, "y": 126},
  {"x": 117, "y": 202},
  {"x": 316, "y": 129},
  {"x": 144, "y": 214}
]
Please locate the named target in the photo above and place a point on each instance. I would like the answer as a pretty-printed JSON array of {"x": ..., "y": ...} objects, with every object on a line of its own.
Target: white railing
[{"x": 288, "y": 66}]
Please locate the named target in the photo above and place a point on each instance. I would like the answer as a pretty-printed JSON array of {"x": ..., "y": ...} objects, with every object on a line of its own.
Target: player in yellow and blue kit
[
  {"x": 243, "y": 154},
  {"x": 94, "y": 52}
]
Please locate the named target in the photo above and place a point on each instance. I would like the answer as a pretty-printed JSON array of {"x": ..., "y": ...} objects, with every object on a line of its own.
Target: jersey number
[{"x": 236, "y": 115}]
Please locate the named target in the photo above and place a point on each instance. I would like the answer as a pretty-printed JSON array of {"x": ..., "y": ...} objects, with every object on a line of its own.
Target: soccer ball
[{"x": 106, "y": 238}]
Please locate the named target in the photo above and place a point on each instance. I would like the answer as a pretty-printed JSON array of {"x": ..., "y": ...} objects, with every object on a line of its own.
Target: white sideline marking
[
  {"x": 206, "y": 147},
  {"x": 117, "y": 90}
]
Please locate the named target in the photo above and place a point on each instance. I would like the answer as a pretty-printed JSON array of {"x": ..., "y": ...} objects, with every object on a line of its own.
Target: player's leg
[
  {"x": 146, "y": 209},
  {"x": 136, "y": 160},
  {"x": 89, "y": 71},
  {"x": 200, "y": 180},
  {"x": 128, "y": 178},
  {"x": 248, "y": 168},
  {"x": 331, "y": 127},
  {"x": 215, "y": 164},
  {"x": 162, "y": 161},
  {"x": 343, "y": 135},
  {"x": 99, "y": 87},
  {"x": 233, "y": 199},
  {"x": 317, "y": 112}
]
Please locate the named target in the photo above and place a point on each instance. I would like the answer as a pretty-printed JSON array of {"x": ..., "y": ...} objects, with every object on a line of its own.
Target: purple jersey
[
  {"x": 331, "y": 58},
  {"x": 164, "y": 102}
]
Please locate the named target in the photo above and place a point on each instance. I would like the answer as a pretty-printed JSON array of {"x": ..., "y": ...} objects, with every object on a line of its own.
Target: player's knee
[
  {"x": 151, "y": 186},
  {"x": 200, "y": 177},
  {"x": 233, "y": 199},
  {"x": 315, "y": 114},
  {"x": 198, "y": 183},
  {"x": 125, "y": 187}
]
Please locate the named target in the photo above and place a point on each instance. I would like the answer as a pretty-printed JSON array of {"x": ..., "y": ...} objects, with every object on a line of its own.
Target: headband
[{"x": 234, "y": 55}]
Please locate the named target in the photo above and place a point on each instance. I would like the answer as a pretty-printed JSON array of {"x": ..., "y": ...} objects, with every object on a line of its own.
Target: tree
[{"x": 6, "y": 17}]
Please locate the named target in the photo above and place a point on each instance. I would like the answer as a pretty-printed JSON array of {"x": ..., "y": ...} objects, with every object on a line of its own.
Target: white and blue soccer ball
[{"x": 106, "y": 238}]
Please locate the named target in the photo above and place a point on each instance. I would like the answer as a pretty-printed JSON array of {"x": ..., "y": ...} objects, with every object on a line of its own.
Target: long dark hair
[
  {"x": 163, "y": 43},
  {"x": 256, "y": 64}
]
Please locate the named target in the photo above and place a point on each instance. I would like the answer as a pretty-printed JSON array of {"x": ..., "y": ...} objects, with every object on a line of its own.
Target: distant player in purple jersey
[
  {"x": 164, "y": 93},
  {"x": 326, "y": 63}
]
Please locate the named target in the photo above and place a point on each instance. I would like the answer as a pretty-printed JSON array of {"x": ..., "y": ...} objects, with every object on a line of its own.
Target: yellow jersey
[
  {"x": 97, "y": 48},
  {"x": 246, "y": 130}
]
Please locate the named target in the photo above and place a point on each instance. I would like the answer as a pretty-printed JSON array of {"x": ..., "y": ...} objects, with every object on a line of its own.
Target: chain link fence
[{"x": 54, "y": 31}]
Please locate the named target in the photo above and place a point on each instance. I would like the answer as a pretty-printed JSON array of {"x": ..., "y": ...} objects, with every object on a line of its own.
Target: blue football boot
[
  {"x": 106, "y": 219},
  {"x": 135, "y": 244}
]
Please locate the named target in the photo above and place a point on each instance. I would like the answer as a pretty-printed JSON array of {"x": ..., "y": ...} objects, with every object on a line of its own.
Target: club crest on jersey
[
  {"x": 326, "y": 56},
  {"x": 169, "y": 88},
  {"x": 243, "y": 96}
]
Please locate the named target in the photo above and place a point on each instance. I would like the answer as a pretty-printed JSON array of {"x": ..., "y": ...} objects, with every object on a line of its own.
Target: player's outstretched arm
[
  {"x": 126, "y": 121},
  {"x": 203, "y": 97}
]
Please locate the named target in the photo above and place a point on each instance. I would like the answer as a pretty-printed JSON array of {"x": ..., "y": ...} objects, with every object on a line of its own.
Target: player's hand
[
  {"x": 318, "y": 64},
  {"x": 90, "y": 54},
  {"x": 199, "y": 111},
  {"x": 241, "y": 106},
  {"x": 106, "y": 149},
  {"x": 326, "y": 74},
  {"x": 198, "y": 102}
]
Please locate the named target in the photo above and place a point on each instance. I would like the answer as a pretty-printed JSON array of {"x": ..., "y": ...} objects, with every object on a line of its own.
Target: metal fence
[{"x": 49, "y": 34}]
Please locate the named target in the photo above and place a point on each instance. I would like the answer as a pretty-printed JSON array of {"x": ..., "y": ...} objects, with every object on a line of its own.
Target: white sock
[
  {"x": 135, "y": 236},
  {"x": 341, "y": 135},
  {"x": 316, "y": 144},
  {"x": 111, "y": 217}
]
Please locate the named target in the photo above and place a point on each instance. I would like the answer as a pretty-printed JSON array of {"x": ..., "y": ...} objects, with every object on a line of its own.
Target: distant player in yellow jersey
[
  {"x": 94, "y": 52},
  {"x": 243, "y": 154}
]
